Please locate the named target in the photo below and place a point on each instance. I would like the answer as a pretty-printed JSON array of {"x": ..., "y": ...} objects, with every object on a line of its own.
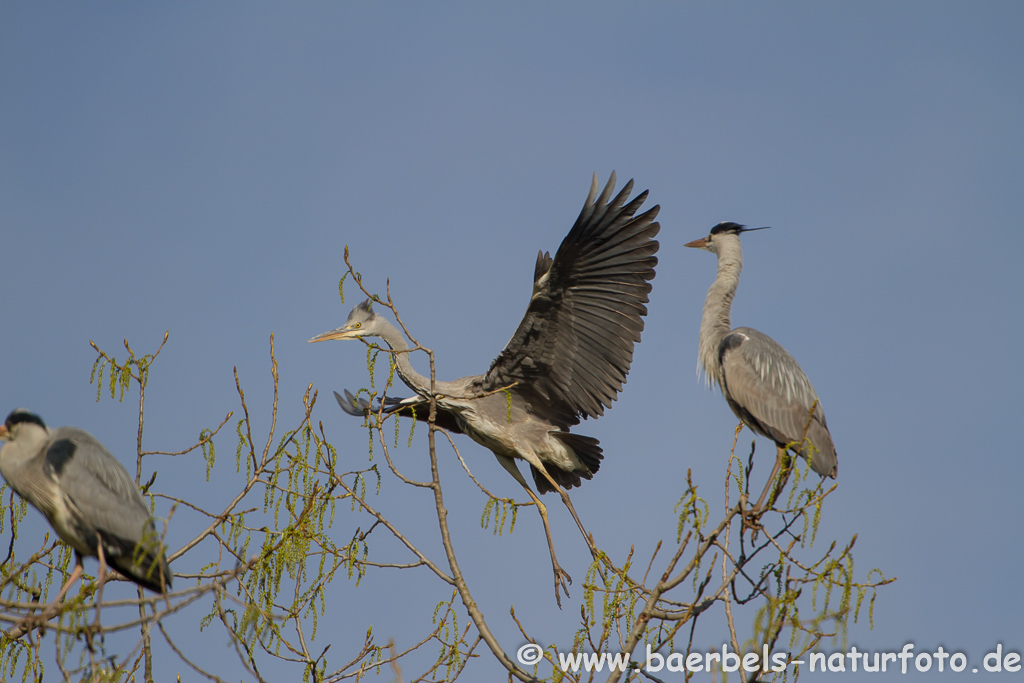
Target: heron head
[
  {"x": 723, "y": 228},
  {"x": 17, "y": 417},
  {"x": 360, "y": 324}
]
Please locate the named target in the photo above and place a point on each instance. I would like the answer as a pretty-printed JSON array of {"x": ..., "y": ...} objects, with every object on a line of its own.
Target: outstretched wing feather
[
  {"x": 574, "y": 346},
  {"x": 415, "y": 406}
]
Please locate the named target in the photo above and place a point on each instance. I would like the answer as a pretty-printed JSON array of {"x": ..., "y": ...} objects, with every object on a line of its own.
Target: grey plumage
[
  {"x": 567, "y": 360},
  {"x": 761, "y": 381},
  {"x": 86, "y": 494}
]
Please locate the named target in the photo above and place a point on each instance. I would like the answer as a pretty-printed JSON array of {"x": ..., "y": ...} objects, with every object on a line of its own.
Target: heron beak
[
  {"x": 340, "y": 333},
  {"x": 3, "y": 431},
  {"x": 698, "y": 244}
]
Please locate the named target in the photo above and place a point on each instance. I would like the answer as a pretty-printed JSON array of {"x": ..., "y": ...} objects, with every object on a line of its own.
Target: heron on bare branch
[
  {"x": 87, "y": 496},
  {"x": 761, "y": 381},
  {"x": 567, "y": 360}
]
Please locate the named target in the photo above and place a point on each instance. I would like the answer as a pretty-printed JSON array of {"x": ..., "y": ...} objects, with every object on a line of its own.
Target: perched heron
[
  {"x": 87, "y": 496},
  {"x": 760, "y": 380},
  {"x": 567, "y": 360}
]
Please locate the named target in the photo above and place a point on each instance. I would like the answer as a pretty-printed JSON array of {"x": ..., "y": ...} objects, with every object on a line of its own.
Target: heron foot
[
  {"x": 752, "y": 519},
  {"x": 562, "y": 581},
  {"x": 35, "y": 622},
  {"x": 29, "y": 623},
  {"x": 91, "y": 630}
]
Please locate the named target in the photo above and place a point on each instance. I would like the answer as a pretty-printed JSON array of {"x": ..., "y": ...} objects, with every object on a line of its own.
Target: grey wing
[
  {"x": 416, "y": 407},
  {"x": 106, "y": 501},
  {"x": 768, "y": 390},
  {"x": 574, "y": 346},
  {"x": 357, "y": 406},
  {"x": 97, "y": 484},
  {"x": 89, "y": 472}
]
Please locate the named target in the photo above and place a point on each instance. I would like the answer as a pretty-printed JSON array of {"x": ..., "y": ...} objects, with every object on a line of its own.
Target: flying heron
[
  {"x": 567, "y": 360},
  {"x": 760, "y": 380},
  {"x": 87, "y": 496}
]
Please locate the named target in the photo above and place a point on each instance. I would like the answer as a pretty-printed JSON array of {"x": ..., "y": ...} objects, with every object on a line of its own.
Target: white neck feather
[{"x": 715, "y": 322}]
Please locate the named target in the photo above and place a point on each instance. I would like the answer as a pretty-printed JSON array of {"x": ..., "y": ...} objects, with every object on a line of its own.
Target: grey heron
[
  {"x": 87, "y": 496},
  {"x": 761, "y": 381},
  {"x": 567, "y": 360}
]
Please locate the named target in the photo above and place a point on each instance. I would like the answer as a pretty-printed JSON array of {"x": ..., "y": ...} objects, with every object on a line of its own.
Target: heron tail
[
  {"x": 588, "y": 453},
  {"x": 144, "y": 563}
]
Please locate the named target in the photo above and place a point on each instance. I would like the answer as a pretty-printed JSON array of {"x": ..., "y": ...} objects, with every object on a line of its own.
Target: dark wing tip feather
[
  {"x": 543, "y": 266},
  {"x": 357, "y": 407},
  {"x": 414, "y": 406}
]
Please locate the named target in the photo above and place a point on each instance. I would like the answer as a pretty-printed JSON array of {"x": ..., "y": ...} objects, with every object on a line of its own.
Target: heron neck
[
  {"x": 716, "y": 320},
  {"x": 396, "y": 342}
]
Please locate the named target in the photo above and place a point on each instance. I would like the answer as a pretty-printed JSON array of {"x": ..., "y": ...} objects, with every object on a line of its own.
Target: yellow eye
[{"x": 358, "y": 325}]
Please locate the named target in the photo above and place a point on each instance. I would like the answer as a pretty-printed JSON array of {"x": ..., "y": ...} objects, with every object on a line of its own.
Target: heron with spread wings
[{"x": 567, "y": 360}]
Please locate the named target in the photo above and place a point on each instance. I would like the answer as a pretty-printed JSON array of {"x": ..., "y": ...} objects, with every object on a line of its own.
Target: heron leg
[
  {"x": 568, "y": 503},
  {"x": 771, "y": 480},
  {"x": 787, "y": 469},
  {"x": 99, "y": 590},
  {"x": 780, "y": 457},
  {"x": 75, "y": 574},
  {"x": 562, "y": 578}
]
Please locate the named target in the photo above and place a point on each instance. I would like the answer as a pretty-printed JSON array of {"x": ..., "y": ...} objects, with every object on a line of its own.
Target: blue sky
[{"x": 200, "y": 167}]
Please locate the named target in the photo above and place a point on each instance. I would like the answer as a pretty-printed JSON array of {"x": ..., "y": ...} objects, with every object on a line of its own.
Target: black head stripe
[
  {"x": 727, "y": 226},
  {"x": 732, "y": 228},
  {"x": 20, "y": 415}
]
